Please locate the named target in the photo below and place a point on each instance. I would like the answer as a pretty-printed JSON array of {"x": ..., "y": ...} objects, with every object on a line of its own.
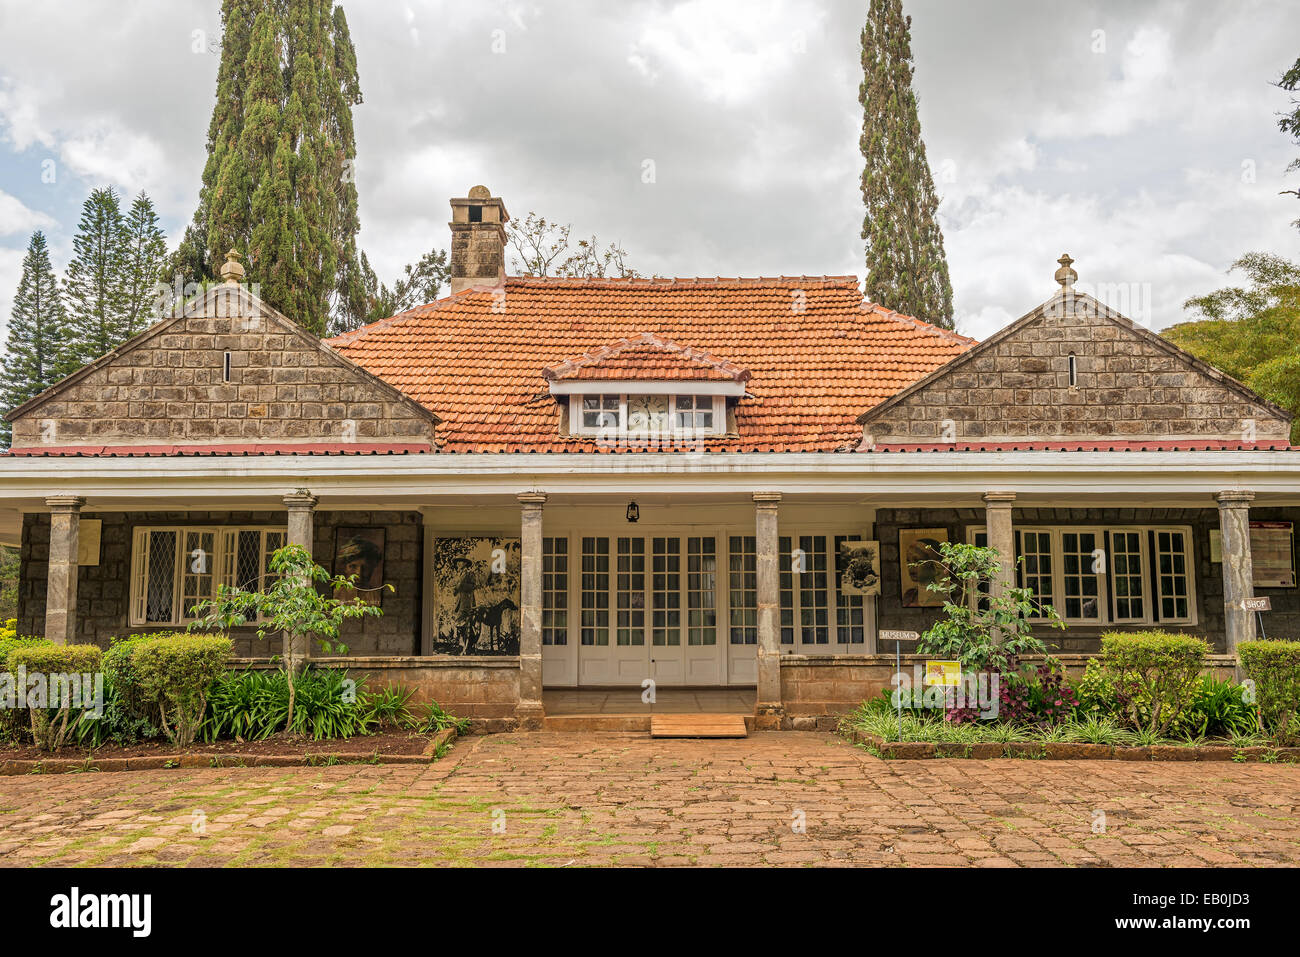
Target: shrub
[
  {"x": 49, "y": 724},
  {"x": 1274, "y": 666},
  {"x": 1043, "y": 696},
  {"x": 1218, "y": 709},
  {"x": 1154, "y": 674},
  {"x": 390, "y": 705},
  {"x": 255, "y": 704},
  {"x": 119, "y": 670},
  {"x": 174, "y": 675}
]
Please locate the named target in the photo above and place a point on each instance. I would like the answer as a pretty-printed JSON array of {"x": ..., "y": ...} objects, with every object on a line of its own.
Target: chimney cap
[{"x": 1066, "y": 276}]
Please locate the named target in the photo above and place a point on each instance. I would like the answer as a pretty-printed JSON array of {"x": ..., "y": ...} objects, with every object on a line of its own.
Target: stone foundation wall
[
  {"x": 103, "y": 592},
  {"x": 485, "y": 690}
]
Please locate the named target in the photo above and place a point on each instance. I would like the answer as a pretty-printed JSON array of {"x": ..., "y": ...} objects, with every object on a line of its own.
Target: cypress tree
[
  {"x": 278, "y": 182},
  {"x": 906, "y": 266},
  {"x": 144, "y": 253},
  {"x": 94, "y": 287},
  {"x": 37, "y": 333}
]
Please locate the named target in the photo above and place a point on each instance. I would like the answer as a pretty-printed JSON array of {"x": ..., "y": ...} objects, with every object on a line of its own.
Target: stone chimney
[{"x": 478, "y": 240}]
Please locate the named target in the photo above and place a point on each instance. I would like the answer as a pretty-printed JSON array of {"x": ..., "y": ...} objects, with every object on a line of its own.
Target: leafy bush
[
  {"x": 1218, "y": 709},
  {"x": 1274, "y": 666},
  {"x": 255, "y": 704},
  {"x": 985, "y": 632},
  {"x": 174, "y": 674},
  {"x": 390, "y": 706},
  {"x": 50, "y": 725},
  {"x": 1154, "y": 674},
  {"x": 437, "y": 719},
  {"x": 120, "y": 672},
  {"x": 117, "y": 724},
  {"x": 1095, "y": 690},
  {"x": 14, "y": 722},
  {"x": 1043, "y": 696}
]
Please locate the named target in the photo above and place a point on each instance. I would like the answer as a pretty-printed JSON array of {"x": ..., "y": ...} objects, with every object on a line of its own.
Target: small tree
[
  {"x": 982, "y": 630},
  {"x": 291, "y": 605}
]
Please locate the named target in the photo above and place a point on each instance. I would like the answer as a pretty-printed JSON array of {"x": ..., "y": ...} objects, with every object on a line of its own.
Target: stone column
[
  {"x": 300, "y": 531},
  {"x": 768, "y": 709},
  {"x": 61, "y": 584},
  {"x": 997, "y": 512},
  {"x": 1238, "y": 577},
  {"x": 529, "y": 710}
]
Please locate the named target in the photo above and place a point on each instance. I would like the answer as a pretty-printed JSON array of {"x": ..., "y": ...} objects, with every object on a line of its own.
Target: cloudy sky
[{"x": 1138, "y": 135}]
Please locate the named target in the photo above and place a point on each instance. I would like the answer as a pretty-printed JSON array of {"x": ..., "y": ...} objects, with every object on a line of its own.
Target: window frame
[
  {"x": 1152, "y": 594},
  {"x": 717, "y": 407},
  {"x": 791, "y": 590},
  {"x": 221, "y": 571}
]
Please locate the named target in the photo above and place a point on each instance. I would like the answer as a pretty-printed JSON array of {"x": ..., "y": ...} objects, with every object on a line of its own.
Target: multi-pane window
[
  {"x": 785, "y": 581},
  {"x": 175, "y": 569},
  {"x": 693, "y": 412},
  {"x": 1127, "y": 583},
  {"x": 665, "y": 592},
  {"x": 814, "y": 614},
  {"x": 600, "y": 412},
  {"x": 630, "y": 592},
  {"x": 1171, "y": 575},
  {"x": 1035, "y": 565},
  {"x": 850, "y": 627},
  {"x": 743, "y": 587},
  {"x": 642, "y": 413},
  {"x": 1124, "y": 576},
  {"x": 701, "y": 589},
  {"x": 595, "y": 591},
  {"x": 1081, "y": 564},
  {"x": 555, "y": 591}
]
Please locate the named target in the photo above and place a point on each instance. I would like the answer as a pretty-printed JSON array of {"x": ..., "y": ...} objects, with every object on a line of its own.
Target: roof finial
[
  {"x": 1066, "y": 276},
  {"x": 231, "y": 271}
]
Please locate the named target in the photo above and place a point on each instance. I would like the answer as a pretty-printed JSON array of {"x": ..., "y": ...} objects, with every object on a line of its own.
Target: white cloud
[{"x": 16, "y": 218}]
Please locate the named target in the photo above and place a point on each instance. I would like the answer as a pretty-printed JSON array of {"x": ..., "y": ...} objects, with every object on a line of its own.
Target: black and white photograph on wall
[
  {"x": 359, "y": 555},
  {"x": 859, "y": 564},
  {"x": 476, "y": 596},
  {"x": 919, "y": 565}
]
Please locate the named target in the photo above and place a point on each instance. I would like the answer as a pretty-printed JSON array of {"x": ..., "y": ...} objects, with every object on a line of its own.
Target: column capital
[
  {"x": 1230, "y": 497},
  {"x": 769, "y": 499},
  {"x": 65, "y": 501},
  {"x": 536, "y": 499},
  {"x": 999, "y": 498},
  {"x": 300, "y": 499}
]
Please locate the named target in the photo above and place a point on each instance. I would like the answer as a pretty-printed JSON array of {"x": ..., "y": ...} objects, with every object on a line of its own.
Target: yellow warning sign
[{"x": 944, "y": 674}]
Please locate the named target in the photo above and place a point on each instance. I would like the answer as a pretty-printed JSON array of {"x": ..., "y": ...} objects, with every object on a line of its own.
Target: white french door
[{"x": 648, "y": 608}]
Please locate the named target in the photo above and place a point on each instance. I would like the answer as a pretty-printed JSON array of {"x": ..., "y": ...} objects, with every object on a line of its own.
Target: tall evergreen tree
[
  {"x": 95, "y": 286},
  {"x": 37, "y": 333},
  {"x": 278, "y": 184},
  {"x": 906, "y": 266},
  {"x": 144, "y": 253}
]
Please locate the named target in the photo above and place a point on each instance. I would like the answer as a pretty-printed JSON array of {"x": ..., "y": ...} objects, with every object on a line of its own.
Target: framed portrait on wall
[
  {"x": 360, "y": 552},
  {"x": 476, "y": 596},
  {"x": 919, "y": 565}
]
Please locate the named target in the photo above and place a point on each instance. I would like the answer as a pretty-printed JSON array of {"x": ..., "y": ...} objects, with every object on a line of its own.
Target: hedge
[
  {"x": 50, "y": 725},
  {"x": 173, "y": 674},
  {"x": 1154, "y": 674},
  {"x": 1274, "y": 666}
]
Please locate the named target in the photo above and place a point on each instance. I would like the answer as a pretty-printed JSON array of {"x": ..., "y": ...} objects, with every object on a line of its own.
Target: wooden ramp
[{"x": 698, "y": 726}]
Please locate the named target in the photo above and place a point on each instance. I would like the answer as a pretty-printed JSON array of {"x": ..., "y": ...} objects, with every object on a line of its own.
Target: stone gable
[
  {"x": 170, "y": 385},
  {"x": 1130, "y": 385}
]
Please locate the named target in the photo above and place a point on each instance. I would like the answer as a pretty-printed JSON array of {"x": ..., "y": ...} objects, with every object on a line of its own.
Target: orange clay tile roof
[
  {"x": 646, "y": 357},
  {"x": 817, "y": 354}
]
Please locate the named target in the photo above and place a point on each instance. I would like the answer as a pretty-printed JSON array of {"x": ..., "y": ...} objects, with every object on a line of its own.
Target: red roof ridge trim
[{"x": 915, "y": 323}]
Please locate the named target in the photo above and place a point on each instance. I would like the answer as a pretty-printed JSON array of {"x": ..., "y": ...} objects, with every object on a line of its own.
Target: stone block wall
[
  {"x": 103, "y": 593},
  {"x": 170, "y": 387},
  {"x": 1130, "y": 385}
]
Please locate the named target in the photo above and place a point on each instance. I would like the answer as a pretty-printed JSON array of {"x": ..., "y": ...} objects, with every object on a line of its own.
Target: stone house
[{"x": 588, "y": 483}]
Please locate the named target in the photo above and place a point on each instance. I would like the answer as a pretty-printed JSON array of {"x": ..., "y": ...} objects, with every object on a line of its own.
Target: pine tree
[
  {"x": 278, "y": 183},
  {"x": 906, "y": 266},
  {"x": 145, "y": 251},
  {"x": 37, "y": 333},
  {"x": 94, "y": 287}
]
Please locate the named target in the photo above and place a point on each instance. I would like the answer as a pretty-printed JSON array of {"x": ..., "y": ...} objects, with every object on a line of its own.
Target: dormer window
[
  {"x": 647, "y": 413},
  {"x": 647, "y": 388}
]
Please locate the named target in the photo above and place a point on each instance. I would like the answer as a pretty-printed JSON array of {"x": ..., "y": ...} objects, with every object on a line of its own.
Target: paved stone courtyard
[{"x": 594, "y": 799}]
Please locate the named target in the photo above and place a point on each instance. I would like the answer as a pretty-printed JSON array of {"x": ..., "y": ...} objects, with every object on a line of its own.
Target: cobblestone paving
[{"x": 597, "y": 799}]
